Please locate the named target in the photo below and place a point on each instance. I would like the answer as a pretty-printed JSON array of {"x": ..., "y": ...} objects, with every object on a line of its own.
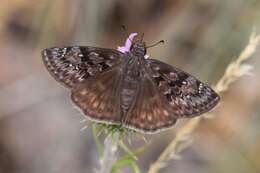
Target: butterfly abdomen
[{"x": 129, "y": 85}]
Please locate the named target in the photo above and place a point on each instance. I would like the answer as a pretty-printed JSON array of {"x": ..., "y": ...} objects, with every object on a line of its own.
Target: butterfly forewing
[
  {"x": 73, "y": 65},
  {"x": 185, "y": 94},
  {"x": 98, "y": 98}
]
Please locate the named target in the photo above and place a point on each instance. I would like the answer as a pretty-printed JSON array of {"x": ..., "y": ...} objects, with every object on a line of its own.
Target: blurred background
[{"x": 40, "y": 129}]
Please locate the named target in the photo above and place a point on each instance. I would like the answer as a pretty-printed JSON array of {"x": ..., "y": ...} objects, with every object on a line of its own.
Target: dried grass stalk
[{"x": 234, "y": 70}]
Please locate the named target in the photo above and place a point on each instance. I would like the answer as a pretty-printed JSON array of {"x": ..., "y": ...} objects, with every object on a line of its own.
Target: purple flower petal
[{"x": 128, "y": 43}]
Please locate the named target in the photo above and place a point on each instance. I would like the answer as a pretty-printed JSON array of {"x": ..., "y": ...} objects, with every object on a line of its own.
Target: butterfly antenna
[
  {"x": 125, "y": 30},
  {"x": 142, "y": 37},
  {"x": 159, "y": 42},
  {"x": 126, "y": 33}
]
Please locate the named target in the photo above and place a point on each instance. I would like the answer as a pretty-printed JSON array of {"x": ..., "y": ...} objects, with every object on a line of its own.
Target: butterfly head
[{"x": 138, "y": 48}]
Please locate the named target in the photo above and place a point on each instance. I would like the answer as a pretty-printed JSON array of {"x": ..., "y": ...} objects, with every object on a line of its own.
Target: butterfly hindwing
[
  {"x": 186, "y": 95},
  {"x": 149, "y": 113},
  {"x": 98, "y": 98},
  {"x": 73, "y": 65}
]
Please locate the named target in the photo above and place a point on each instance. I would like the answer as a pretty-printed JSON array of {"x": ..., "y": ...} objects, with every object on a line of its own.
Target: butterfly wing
[
  {"x": 99, "y": 97},
  {"x": 150, "y": 112},
  {"x": 185, "y": 94},
  {"x": 73, "y": 65}
]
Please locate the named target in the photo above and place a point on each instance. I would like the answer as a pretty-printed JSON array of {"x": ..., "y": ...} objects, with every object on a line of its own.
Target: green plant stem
[{"x": 109, "y": 154}]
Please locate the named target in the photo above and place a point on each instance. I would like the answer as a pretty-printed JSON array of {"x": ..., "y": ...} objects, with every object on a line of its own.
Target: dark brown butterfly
[{"x": 125, "y": 87}]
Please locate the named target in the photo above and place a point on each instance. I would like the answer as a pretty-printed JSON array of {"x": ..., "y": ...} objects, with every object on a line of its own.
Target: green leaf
[
  {"x": 127, "y": 150},
  {"x": 129, "y": 159},
  {"x": 124, "y": 162}
]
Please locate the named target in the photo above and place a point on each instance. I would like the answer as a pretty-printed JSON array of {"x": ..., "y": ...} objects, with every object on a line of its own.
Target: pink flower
[{"x": 128, "y": 43}]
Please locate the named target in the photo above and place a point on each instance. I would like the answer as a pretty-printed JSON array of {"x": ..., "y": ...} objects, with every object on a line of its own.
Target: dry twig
[{"x": 234, "y": 70}]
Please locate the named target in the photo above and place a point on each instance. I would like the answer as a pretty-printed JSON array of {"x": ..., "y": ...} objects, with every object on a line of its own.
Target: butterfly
[{"x": 127, "y": 87}]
